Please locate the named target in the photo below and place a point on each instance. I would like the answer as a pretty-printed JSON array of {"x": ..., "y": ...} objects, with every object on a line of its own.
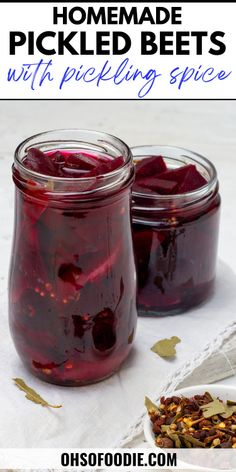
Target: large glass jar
[
  {"x": 175, "y": 238},
  {"x": 72, "y": 292}
]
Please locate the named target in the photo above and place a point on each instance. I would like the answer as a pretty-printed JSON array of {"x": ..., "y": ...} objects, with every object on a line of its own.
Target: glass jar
[
  {"x": 175, "y": 238},
  {"x": 72, "y": 292}
]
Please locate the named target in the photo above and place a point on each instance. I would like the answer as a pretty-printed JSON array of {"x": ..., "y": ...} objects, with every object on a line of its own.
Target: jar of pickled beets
[
  {"x": 175, "y": 213},
  {"x": 72, "y": 293}
]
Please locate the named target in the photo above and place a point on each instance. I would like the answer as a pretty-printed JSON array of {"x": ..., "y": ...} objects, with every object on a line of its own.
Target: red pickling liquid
[
  {"x": 175, "y": 246},
  {"x": 72, "y": 282}
]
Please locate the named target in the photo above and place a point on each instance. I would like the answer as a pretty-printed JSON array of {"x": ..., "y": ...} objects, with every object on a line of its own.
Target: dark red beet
[
  {"x": 39, "y": 162},
  {"x": 150, "y": 166},
  {"x": 81, "y": 161},
  {"x": 115, "y": 163},
  {"x": 70, "y": 273},
  {"x": 109, "y": 166},
  {"x": 172, "y": 181},
  {"x": 137, "y": 188},
  {"x": 70, "y": 164},
  {"x": 192, "y": 181},
  {"x": 177, "y": 175},
  {"x": 58, "y": 158},
  {"x": 158, "y": 185},
  {"x": 58, "y": 162}
]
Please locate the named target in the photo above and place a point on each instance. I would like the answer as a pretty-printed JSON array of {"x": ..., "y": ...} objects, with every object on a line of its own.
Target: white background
[{"x": 195, "y": 17}]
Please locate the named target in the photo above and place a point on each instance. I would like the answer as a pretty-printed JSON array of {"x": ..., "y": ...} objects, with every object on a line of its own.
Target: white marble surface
[{"x": 208, "y": 127}]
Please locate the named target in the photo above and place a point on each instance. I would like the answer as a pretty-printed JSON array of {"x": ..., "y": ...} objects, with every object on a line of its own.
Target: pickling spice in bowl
[{"x": 199, "y": 421}]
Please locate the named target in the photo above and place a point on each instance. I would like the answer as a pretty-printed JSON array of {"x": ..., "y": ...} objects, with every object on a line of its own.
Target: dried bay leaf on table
[
  {"x": 166, "y": 347},
  {"x": 32, "y": 395}
]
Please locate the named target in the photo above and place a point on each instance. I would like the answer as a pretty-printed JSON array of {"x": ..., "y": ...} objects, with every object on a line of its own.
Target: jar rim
[
  {"x": 43, "y": 177},
  {"x": 194, "y": 195}
]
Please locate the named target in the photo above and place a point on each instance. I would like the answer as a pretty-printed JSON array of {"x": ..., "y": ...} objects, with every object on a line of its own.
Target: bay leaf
[
  {"x": 32, "y": 395},
  {"x": 210, "y": 397},
  {"x": 195, "y": 442},
  {"x": 175, "y": 438},
  {"x": 165, "y": 428},
  {"x": 216, "y": 407},
  {"x": 188, "y": 444},
  {"x": 166, "y": 347},
  {"x": 150, "y": 405},
  {"x": 229, "y": 411}
]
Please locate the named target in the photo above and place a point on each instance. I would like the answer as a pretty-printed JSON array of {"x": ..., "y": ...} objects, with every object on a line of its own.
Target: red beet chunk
[
  {"x": 58, "y": 158},
  {"x": 115, "y": 163},
  {"x": 177, "y": 175},
  {"x": 70, "y": 273},
  {"x": 71, "y": 164},
  {"x": 109, "y": 166},
  {"x": 38, "y": 161},
  {"x": 171, "y": 182},
  {"x": 192, "y": 181},
  {"x": 139, "y": 189},
  {"x": 81, "y": 161},
  {"x": 150, "y": 166},
  {"x": 158, "y": 185}
]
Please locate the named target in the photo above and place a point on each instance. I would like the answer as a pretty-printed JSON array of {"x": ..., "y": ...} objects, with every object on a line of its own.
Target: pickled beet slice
[
  {"x": 38, "y": 161},
  {"x": 177, "y": 175},
  {"x": 74, "y": 173},
  {"x": 81, "y": 161},
  {"x": 81, "y": 324},
  {"x": 58, "y": 158},
  {"x": 32, "y": 212},
  {"x": 104, "y": 332},
  {"x": 68, "y": 164},
  {"x": 161, "y": 186},
  {"x": 72, "y": 279},
  {"x": 58, "y": 161},
  {"x": 103, "y": 268},
  {"x": 114, "y": 164},
  {"x": 139, "y": 189},
  {"x": 109, "y": 166},
  {"x": 150, "y": 166},
  {"x": 192, "y": 181},
  {"x": 172, "y": 181},
  {"x": 70, "y": 273}
]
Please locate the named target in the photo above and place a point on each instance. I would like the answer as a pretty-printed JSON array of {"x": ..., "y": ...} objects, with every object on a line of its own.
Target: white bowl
[{"x": 224, "y": 392}]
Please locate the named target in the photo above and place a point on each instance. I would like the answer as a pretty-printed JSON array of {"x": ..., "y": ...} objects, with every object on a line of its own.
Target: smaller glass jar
[{"x": 175, "y": 238}]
